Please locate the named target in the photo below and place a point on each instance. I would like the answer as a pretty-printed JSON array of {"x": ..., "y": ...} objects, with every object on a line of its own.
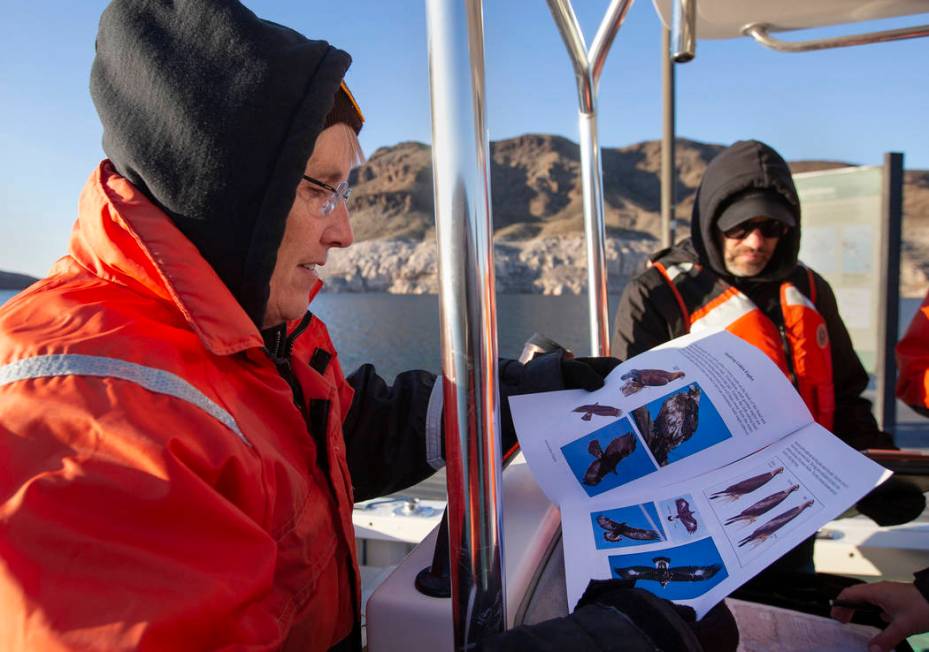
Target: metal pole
[
  {"x": 461, "y": 175},
  {"x": 667, "y": 140},
  {"x": 889, "y": 298},
  {"x": 587, "y": 69},
  {"x": 683, "y": 44}
]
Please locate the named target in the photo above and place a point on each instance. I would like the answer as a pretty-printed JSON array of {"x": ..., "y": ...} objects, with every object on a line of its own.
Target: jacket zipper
[
  {"x": 280, "y": 355},
  {"x": 788, "y": 354}
]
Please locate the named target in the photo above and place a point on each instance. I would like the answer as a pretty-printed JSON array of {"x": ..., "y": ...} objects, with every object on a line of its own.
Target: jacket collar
[{"x": 121, "y": 236}]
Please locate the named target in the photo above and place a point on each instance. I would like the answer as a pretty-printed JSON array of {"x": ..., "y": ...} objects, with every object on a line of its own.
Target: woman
[{"x": 180, "y": 449}]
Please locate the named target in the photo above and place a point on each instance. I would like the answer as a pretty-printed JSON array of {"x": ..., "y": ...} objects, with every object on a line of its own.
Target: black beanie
[{"x": 213, "y": 113}]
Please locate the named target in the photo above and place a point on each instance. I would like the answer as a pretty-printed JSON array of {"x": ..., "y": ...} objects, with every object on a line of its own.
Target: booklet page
[
  {"x": 693, "y": 468},
  {"x": 695, "y": 542},
  {"x": 689, "y": 406}
]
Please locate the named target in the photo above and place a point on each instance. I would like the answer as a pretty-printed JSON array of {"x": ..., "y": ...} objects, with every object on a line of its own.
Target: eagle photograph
[
  {"x": 681, "y": 572},
  {"x": 607, "y": 458},
  {"x": 680, "y": 424},
  {"x": 633, "y": 525}
]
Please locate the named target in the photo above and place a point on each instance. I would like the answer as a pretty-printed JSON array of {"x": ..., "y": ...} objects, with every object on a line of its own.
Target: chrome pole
[
  {"x": 461, "y": 175},
  {"x": 587, "y": 69},
  {"x": 667, "y": 140},
  {"x": 683, "y": 30}
]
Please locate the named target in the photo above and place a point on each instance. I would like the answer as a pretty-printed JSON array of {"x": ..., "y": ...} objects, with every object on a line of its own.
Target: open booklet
[{"x": 694, "y": 467}]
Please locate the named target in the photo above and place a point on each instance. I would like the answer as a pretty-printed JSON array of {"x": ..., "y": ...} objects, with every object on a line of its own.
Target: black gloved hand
[
  {"x": 546, "y": 373},
  {"x": 667, "y": 624},
  {"x": 586, "y": 373},
  {"x": 716, "y": 631},
  {"x": 611, "y": 615},
  {"x": 894, "y": 502}
]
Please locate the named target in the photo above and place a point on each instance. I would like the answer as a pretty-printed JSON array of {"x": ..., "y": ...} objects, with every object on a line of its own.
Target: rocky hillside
[
  {"x": 536, "y": 188},
  {"x": 537, "y": 212}
]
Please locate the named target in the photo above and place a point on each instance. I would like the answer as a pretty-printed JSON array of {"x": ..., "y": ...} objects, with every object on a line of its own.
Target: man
[
  {"x": 739, "y": 271},
  {"x": 180, "y": 449}
]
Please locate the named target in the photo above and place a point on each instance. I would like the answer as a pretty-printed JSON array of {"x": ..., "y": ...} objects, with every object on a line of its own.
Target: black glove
[
  {"x": 610, "y": 616},
  {"x": 670, "y": 626},
  {"x": 894, "y": 502},
  {"x": 546, "y": 373},
  {"x": 586, "y": 373}
]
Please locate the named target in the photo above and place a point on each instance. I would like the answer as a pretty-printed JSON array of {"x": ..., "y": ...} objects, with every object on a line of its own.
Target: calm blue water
[{"x": 398, "y": 332}]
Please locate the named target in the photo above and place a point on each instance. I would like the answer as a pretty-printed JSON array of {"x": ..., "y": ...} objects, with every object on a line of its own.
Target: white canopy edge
[{"x": 721, "y": 19}]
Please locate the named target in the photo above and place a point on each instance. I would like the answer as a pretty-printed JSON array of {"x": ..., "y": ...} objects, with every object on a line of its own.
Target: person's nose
[
  {"x": 754, "y": 239},
  {"x": 339, "y": 232}
]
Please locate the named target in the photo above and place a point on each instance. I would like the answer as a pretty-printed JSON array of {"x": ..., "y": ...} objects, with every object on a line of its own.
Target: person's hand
[
  {"x": 586, "y": 373},
  {"x": 546, "y": 373},
  {"x": 903, "y": 607},
  {"x": 893, "y": 502}
]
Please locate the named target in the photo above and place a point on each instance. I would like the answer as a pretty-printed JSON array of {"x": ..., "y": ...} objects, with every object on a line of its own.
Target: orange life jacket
[
  {"x": 913, "y": 360},
  {"x": 159, "y": 487},
  {"x": 801, "y": 351}
]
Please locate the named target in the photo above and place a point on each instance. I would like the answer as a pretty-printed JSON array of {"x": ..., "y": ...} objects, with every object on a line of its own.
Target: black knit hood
[
  {"x": 213, "y": 112},
  {"x": 745, "y": 166}
]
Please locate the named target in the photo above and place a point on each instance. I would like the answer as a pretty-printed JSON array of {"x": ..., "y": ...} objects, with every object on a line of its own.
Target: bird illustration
[
  {"x": 775, "y": 524},
  {"x": 616, "y": 531},
  {"x": 676, "y": 423},
  {"x": 643, "y": 420},
  {"x": 636, "y": 379},
  {"x": 600, "y": 410},
  {"x": 747, "y": 486},
  {"x": 606, "y": 461},
  {"x": 685, "y": 515},
  {"x": 749, "y": 514},
  {"x": 664, "y": 573}
]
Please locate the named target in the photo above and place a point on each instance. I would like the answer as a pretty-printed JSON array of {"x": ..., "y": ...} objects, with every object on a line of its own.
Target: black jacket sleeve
[
  {"x": 385, "y": 431},
  {"x": 388, "y": 444},
  {"x": 647, "y": 315},
  {"x": 854, "y": 422}
]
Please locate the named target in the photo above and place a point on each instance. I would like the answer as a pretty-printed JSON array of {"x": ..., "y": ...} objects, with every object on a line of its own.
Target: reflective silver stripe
[
  {"x": 152, "y": 379},
  {"x": 674, "y": 271},
  {"x": 795, "y": 297},
  {"x": 434, "y": 426},
  {"x": 724, "y": 314}
]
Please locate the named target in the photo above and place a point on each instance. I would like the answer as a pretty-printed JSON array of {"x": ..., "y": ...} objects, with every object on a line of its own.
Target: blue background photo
[
  {"x": 640, "y": 516},
  {"x": 637, "y": 464},
  {"x": 698, "y": 553},
  {"x": 710, "y": 426}
]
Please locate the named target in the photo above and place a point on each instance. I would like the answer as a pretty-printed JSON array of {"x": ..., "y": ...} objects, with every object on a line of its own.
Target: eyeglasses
[
  {"x": 768, "y": 228},
  {"x": 341, "y": 192}
]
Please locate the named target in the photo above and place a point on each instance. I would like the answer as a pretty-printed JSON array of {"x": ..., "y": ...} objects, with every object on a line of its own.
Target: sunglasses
[{"x": 768, "y": 228}]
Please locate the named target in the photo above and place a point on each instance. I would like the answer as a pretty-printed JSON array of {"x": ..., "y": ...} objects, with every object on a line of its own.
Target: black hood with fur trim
[
  {"x": 213, "y": 112},
  {"x": 744, "y": 166}
]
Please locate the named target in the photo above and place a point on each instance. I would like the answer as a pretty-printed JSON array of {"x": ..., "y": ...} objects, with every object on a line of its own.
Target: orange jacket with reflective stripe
[
  {"x": 159, "y": 487},
  {"x": 807, "y": 360},
  {"x": 913, "y": 360}
]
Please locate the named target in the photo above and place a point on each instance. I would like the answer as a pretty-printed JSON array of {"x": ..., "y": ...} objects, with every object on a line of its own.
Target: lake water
[{"x": 397, "y": 332}]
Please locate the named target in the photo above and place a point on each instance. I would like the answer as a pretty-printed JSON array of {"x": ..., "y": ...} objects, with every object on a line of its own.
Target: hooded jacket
[
  {"x": 212, "y": 113},
  {"x": 650, "y": 314},
  {"x": 164, "y": 486}
]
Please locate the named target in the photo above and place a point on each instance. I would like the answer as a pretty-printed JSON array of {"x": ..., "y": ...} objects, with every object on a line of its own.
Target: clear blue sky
[{"x": 852, "y": 104}]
